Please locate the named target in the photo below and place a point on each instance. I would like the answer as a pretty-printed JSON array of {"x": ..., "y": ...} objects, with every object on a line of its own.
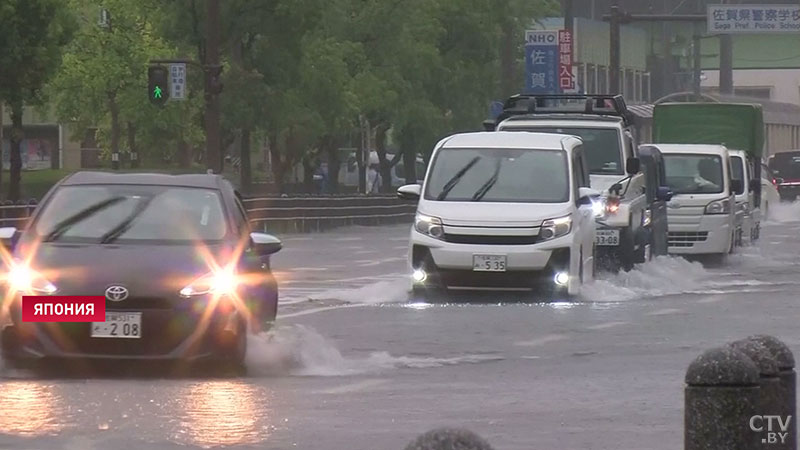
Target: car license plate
[
  {"x": 607, "y": 237},
  {"x": 489, "y": 263},
  {"x": 123, "y": 325}
]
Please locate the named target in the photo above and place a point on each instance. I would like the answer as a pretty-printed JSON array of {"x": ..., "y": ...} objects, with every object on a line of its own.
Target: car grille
[
  {"x": 490, "y": 240},
  {"x": 686, "y": 238},
  {"x": 140, "y": 304}
]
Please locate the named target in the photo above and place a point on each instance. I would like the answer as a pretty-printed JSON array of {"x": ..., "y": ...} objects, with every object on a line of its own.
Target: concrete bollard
[
  {"x": 768, "y": 431},
  {"x": 787, "y": 396},
  {"x": 449, "y": 439},
  {"x": 721, "y": 396}
]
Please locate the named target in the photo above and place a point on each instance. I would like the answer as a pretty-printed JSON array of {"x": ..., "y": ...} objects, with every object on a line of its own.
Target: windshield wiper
[
  {"x": 456, "y": 178},
  {"x": 63, "y": 226},
  {"x": 489, "y": 184},
  {"x": 125, "y": 225}
]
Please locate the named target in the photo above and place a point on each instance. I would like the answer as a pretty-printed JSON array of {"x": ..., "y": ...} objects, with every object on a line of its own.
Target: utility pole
[
  {"x": 212, "y": 89},
  {"x": 696, "y": 65},
  {"x": 725, "y": 64},
  {"x": 615, "y": 21}
]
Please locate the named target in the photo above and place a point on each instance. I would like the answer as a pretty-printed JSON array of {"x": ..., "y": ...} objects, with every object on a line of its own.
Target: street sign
[
  {"x": 177, "y": 81},
  {"x": 566, "y": 82},
  {"x": 541, "y": 62},
  {"x": 731, "y": 19}
]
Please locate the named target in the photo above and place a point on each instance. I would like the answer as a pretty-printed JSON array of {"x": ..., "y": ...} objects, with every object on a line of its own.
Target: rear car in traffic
[
  {"x": 183, "y": 276},
  {"x": 786, "y": 168},
  {"x": 503, "y": 210}
]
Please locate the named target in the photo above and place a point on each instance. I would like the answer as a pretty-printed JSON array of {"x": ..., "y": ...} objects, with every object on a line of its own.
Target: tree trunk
[
  {"x": 132, "y": 145},
  {"x": 17, "y": 135},
  {"x": 113, "y": 108},
  {"x": 275, "y": 162},
  {"x": 408, "y": 146},
  {"x": 331, "y": 149},
  {"x": 309, "y": 169},
  {"x": 385, "y": 165},
  {"x": 184, "y": 154},
  {"x": 245, "y": 170}
]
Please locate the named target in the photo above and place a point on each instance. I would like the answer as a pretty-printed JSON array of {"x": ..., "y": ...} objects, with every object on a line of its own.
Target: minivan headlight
[
  {"x": 719, "y": 207},
  {"x": 429, "y": 226},
  {"x": 554, "y": 228}
]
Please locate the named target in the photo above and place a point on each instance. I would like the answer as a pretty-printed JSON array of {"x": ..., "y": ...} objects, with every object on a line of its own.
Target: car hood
[
  {"x": 146, "y": 270},
  {"x": 486, "y": 214},
  {"x": 603, "y": 182}
]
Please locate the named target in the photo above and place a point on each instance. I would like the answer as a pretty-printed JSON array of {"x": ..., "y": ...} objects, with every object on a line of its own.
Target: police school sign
[{"x": 725, "y": 19}]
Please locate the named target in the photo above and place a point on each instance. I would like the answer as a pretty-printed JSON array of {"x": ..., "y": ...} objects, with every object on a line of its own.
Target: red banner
[
  {"x": 52, "y": 308},
  {"x": 565, "y": 80}
]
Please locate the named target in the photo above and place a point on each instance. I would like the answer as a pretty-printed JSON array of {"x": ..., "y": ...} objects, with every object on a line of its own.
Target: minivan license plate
[
  {"x": 489, "y": 263},
  {"x": 607, "y": 237}
]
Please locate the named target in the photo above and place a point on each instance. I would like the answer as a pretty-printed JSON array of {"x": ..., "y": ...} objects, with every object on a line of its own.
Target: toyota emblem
[{"x": 117, "y": 293}]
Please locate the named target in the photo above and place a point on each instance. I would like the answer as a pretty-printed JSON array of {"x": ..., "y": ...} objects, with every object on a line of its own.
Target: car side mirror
[
  {"x": 489, "y": 125},
  {"x": 633, "y": 165},
  {"x": 409, "y": 192},
  {"x": 736, "y": 187},
  {"x": 8, "y": 237},
  {"x": 664, "y": 194},
  {"x": 265, "y": 244}
]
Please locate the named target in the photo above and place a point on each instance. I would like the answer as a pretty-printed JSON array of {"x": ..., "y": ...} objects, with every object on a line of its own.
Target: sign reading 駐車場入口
[{"x": 729, "y": 19}]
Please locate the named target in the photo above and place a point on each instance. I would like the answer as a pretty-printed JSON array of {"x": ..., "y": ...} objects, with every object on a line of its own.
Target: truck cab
[
  {"x": 702, "y": 212},
  {"x": 748, "y": 214},
  {"x": 604, "y": 124}
]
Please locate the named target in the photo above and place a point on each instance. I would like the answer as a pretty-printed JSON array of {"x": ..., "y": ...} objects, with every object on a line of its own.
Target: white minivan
[
  {"x": 504, "y": 210},
  {"x": 701, "y": 215}
]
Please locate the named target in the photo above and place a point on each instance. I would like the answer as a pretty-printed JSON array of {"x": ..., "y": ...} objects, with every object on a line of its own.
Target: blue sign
[
  {"x": 541, "y": 62},
  {"x": 495, "y": 109}
]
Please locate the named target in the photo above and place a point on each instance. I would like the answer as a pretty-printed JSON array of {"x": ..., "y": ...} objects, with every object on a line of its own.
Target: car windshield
[
  {"x": 786, "y": 165},
  {"x": 499, "y": 175},
  {"x": 694, "y": 174},
  {"x": 124, "y": 213},
  {"x": 602, "y": 147}
]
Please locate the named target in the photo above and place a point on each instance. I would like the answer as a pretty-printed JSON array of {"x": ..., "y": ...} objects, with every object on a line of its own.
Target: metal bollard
[
  {"x": 721, "y": 396},
  {"x": 768, "y": 431},
  {"x": 449, "y": 439},
  {"x": 788, "y": 385}
]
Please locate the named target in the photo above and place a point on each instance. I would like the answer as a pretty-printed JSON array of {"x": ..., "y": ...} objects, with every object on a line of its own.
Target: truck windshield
[
  {"x": 499, "y": 175},
  {"x": 786, "y": 165},
  {"x": 737, "y": 168},
  {"x": 694, "y": 173},
  {"x": 602, "y": 147}
]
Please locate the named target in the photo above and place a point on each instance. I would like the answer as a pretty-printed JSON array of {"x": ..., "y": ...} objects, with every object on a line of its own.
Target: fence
[{"x": 286, "y": 214}]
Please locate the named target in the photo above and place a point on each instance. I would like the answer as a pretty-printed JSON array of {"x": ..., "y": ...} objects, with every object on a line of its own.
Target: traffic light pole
[{"x": 212, "y": 110}]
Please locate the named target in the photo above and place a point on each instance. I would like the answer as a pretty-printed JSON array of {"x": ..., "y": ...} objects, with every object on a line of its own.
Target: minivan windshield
[
  {"x": 694, "y": 173},
  {"x": 499, "y": 175},
  {"x": 125, "y": 213},
  {"x": 601, "y": 145}
]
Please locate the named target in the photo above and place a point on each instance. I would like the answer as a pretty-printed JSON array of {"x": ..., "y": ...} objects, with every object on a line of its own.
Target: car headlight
[
  {"x": 429, "y": 226},
  {"x": 554, "y": 228},
  {"x": 719, "y": 207},
  {"x": 599, "y": 207},
  {"x": 223, "y": 282},
  {"x": 21, "y": 278}
]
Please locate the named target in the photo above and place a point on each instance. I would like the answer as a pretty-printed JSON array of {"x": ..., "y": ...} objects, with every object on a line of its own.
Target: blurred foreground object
[{"x": 449, "y": 439}]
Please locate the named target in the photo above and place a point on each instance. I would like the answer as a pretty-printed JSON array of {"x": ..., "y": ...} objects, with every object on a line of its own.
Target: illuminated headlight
[
  {"x": 419, "y": 276},
  {"x": 21, "y": 278},
  {"x": 223, "y": 282},
  {"x": 599, "y": 207},
  {"x": 429, "y": 226},
  {"x": 719, "y": 207},
  {"x": 647, "y": 217},
  {"x": 561, "y": 278},
  {"x": 554, "y": 228}
]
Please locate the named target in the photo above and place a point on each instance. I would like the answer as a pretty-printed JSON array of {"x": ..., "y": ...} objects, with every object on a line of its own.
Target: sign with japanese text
[
  {"x": 541, "y": 62},
  {"x": 729, "y": 19},
  {"x": 177, "y": 81},
  {"x": 565, "y": 80}
]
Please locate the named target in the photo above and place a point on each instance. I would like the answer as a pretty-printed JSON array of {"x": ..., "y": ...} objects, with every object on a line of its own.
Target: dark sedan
[{"x": 183, "y": 276}]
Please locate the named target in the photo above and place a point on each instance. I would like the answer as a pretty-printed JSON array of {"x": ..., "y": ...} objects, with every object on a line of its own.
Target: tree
[{"x": 31, "y": 39}]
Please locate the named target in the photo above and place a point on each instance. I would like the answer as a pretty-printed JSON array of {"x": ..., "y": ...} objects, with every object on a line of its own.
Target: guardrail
[{"x": 287, "y": 214}]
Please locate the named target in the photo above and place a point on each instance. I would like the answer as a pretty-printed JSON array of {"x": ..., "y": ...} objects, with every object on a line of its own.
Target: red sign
[
  {"x": 53, "y": 308},
  {"x": 565, "y": 79}
]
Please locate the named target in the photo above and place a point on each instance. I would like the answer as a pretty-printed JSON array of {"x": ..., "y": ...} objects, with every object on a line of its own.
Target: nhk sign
[{"x": 729, "y": 19}]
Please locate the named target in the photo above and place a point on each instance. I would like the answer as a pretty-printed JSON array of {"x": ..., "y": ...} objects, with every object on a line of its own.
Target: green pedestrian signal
[{"x": 157, "y": 80}]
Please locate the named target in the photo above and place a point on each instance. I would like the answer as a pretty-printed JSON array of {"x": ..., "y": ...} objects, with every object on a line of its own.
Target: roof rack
[{"x": 593, "y": 104}]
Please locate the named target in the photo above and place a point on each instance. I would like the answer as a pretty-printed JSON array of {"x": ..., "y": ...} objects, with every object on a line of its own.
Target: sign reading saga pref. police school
[{"x": 729, "y": 19}]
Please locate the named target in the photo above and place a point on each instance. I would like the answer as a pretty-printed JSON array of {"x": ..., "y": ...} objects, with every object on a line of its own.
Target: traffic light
[{"x": 158, "y": 85}]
